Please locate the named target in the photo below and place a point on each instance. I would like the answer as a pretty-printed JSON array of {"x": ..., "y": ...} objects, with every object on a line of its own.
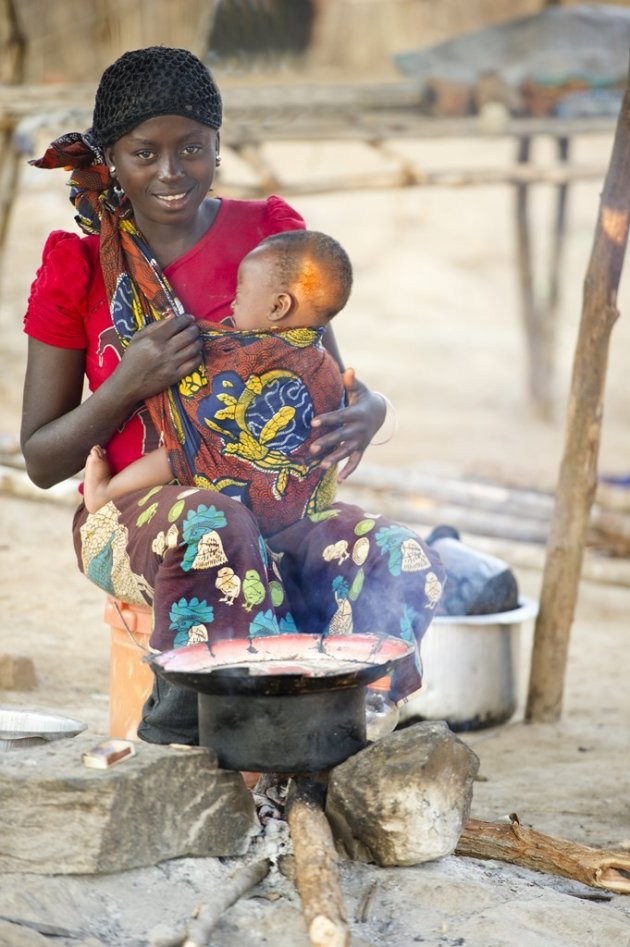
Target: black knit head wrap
[{"x": 158, "y": 80}]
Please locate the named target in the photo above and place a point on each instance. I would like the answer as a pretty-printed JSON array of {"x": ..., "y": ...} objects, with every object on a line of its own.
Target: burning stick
[
  {"x": 514, "y": 843},
  {"x": 317, "y": 879}
]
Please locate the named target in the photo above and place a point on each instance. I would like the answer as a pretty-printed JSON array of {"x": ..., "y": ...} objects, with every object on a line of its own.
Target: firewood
[
  {"x": 317, "y": 878},
  {"x": 483, "y": 508},
  {"x": 197, "y": 933},
  {"x": 514, "y": 843},
  {"x": 200, "y": 929},
  {"x": 455, "y": 489}
]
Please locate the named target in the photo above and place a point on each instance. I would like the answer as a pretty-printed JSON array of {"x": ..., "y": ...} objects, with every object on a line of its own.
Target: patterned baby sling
[{"x": 245, "y": 428}]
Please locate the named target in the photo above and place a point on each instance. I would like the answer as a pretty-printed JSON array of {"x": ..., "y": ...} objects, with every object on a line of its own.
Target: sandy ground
[{"x": 434, "y": 323}]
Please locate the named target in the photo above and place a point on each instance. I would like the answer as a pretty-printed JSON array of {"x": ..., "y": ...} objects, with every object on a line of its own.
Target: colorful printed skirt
[{"x": 197, "y": 557}]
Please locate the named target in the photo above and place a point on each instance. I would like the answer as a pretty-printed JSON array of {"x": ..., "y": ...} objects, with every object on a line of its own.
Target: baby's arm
[{"x": 100, "y": 486}]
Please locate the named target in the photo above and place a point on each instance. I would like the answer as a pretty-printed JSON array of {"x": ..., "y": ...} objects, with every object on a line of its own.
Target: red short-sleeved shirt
[{"x": 68, "y": 305}]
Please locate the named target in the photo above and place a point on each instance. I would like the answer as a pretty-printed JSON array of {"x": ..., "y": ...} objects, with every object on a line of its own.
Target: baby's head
[{"x": 292, "y": 279}]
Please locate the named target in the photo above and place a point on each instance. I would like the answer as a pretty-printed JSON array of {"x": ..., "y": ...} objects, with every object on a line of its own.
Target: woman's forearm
[
  {"x": 58, "y": 449},
  {"x": 58, "y": 429}
]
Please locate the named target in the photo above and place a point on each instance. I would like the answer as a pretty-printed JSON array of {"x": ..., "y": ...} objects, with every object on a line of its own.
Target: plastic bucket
[
  {"x": 130, "y": 681},
  {"x": 470, "y": 669}
]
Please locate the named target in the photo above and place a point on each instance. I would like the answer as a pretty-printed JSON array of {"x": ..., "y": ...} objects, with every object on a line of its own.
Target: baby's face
[{"x": 254, "y": 292}]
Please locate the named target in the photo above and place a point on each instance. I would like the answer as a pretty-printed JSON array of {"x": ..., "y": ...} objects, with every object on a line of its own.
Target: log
[
  {"x": 484, "y": 510},
  {"x": 200, "y": 929},
  {"x": 198, "y": 932},
  {"x": 487, "y": 509},
  {"x": 520, "y": 546},
  {"x": 317, "y": 878},
  {"x": 577, "y": 479},
  {"x": 427, "y": 512},
  {"x": 514, "y": 843},
  {"x": 459, "y": 491}
]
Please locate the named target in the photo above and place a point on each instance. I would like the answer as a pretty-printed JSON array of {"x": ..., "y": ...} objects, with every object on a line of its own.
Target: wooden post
[
  {"x": 559, "y": 230},
  {"x": 536, "y": 362},
  {"x": 12, "y": 72},
  {"x": 539, "y": 306},
  {"x": 577, "y": 479}
]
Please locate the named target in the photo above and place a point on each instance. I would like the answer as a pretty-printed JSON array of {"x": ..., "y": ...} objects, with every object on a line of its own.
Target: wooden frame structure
[{"x": 377, "y": 116}]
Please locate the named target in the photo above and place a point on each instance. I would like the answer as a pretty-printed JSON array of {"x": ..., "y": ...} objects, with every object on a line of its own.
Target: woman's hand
[
  {"x": 346, "y": 433},
  {"x": 160, "y": 355}
]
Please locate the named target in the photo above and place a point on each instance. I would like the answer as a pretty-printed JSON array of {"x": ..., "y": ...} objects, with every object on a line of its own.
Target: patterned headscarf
[{"x": 137, "y": 290}]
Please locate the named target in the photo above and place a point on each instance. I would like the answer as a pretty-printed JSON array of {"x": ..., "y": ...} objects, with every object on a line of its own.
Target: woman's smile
[{"x": 176, "y": 200}]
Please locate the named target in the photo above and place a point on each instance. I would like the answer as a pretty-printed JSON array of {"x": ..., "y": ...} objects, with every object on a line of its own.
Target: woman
[{"x": 119, "y": 307}]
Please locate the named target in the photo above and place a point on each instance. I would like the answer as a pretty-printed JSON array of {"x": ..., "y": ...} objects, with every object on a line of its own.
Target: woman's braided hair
[{"x": 158, "y": 80}]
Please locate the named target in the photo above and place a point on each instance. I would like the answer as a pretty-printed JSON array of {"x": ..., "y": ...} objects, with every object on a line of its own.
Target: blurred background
[{"x": 355, "y": 37}]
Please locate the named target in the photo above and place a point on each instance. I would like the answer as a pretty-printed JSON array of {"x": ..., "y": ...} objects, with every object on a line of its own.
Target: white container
[{"x": 470, "y": 669}]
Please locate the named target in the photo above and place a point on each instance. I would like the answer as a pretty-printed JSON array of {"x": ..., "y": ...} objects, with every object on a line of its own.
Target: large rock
[
  {"x": 403, "y": 800},
  {"x": 59, "y": 817}
]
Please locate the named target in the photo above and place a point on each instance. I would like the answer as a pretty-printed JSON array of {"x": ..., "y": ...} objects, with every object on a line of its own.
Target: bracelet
[{"x": 390, "y": 413}]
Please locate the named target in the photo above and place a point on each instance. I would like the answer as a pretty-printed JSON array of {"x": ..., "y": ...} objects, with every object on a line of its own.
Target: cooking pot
[
  {"x": 471, "y": 665},
  {"x": 282, "y": 703}
]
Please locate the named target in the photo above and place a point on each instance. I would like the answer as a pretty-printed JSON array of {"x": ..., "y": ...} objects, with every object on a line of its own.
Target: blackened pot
[{"x": 283, "y": 734}]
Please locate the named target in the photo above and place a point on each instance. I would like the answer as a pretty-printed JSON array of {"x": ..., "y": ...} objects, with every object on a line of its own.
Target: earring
[
  {"x": 217, "y": 161},
  {"x": 112, "y": 169}
]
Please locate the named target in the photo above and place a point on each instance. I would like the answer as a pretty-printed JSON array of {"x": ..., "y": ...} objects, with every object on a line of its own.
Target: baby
[{"x": 268, "y": 376}]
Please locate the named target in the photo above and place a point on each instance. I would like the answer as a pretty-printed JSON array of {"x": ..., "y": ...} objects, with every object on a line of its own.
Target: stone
[
  {"x": 17, "y": 673},
  {"x": 16, "y": 935},
  {"x": 403, "y": 800},
  {"x": 59, "y": 817}
]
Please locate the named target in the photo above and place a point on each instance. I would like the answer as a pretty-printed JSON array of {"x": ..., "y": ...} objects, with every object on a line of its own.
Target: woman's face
[{"x": 165, "y": 167}]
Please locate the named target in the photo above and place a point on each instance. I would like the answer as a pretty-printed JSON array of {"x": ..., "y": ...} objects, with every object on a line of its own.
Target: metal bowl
[{"x": 20, "y": 729}]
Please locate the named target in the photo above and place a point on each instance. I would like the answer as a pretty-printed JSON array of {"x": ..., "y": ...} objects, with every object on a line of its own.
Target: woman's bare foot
[{"x": 96, "y": 480}]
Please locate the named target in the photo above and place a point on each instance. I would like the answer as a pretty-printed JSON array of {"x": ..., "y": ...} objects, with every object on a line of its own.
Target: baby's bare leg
[
  {"x": 100, "y": 486},
  {"x": 97, "y": 477}
]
